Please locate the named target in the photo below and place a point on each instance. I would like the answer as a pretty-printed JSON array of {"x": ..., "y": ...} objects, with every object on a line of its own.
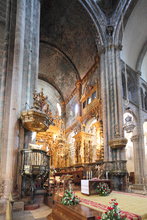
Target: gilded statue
[{"x": 40, "y": 103}]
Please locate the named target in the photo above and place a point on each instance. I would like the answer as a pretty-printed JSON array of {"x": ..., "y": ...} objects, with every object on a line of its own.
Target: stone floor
[{"x": 38, "y": 214}]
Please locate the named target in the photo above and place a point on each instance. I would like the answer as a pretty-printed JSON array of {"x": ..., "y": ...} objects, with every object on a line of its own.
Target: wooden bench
[{"x": 77, "y": 212}]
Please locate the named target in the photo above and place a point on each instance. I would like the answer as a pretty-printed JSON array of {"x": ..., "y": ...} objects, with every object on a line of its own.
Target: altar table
[{"x": 88, "y": 187}]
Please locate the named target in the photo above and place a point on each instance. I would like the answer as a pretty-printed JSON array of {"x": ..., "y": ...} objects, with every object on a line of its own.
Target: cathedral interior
[{"x": 73, "y": 99}]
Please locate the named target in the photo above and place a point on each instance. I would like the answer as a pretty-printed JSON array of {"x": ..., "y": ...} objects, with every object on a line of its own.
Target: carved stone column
[
  {"x": 31, "y": 51},
  {"x": 112, "y": 108},
  {"x": 24, "y": 73},
  {"x": 111, "y": 92},
  {"x": 137, "y": 159},
  {"x": 140, "y": 176}
]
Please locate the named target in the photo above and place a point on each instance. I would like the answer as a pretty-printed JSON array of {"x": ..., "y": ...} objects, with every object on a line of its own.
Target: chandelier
[{"x": 39, "y": 117}]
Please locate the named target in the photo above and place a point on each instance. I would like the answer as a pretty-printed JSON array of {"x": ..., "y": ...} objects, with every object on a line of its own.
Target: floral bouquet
[
  {"x": 103, "y": 189},
  {"x": 69, "y": 198},
  {"x": 113, "y": 212}
]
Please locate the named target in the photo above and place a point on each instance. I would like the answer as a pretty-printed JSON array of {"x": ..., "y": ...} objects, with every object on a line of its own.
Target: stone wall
[{"x": 2, "y": 36}]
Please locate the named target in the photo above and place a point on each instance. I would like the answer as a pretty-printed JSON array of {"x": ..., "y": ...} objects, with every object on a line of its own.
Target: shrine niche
[
  {"x": 55, "y": 143},
  {"x": 71, "y": 147},
  {"x": 83, "y": 148},
  {"x": 88, "y": 144},
  {"x": 98, "y": 125}
]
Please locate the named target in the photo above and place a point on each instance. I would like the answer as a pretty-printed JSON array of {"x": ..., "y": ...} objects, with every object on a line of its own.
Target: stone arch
[
  {"x": 56, "y": 88},
  {"x": 124, "y": 9},
  {"x": 97, "y": 17},
  {"x": 142, "y": 53}
]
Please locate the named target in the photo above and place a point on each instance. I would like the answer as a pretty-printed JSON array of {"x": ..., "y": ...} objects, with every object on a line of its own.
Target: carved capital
[
  {"x": 135, "y": 138},
  {"x": 115, "y": 46},
  {"x": 118, "y": 143},
  {"x": 103, "y": 49}
]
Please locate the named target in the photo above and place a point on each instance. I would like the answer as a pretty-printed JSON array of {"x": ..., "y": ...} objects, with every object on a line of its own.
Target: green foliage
[
  {"x": 113, "y": 212},
  {"x": 69, "y": 198},
  {"x": 103, "y": 189}
]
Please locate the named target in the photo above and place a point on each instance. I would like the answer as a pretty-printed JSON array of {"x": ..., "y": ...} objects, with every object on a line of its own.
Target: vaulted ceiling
[
  {"x": 135, "y": 39},
  {"x": 67, "y": 47}
]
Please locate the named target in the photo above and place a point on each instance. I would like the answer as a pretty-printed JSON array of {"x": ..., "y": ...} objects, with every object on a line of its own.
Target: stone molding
[
  {"x": 118, "y": 143},
  {"x": 2, "y": 184},
  {"x": 103, "y": 49}
]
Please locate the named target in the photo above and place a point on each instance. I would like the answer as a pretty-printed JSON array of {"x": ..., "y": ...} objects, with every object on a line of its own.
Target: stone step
[
  {"x": 18, "y": 206},
  {"x": 37, "y": 214},
  {"x": 2, "y": 217},
  {"x": 138, "y": 188},
  {"x": 22, "y": 216}
]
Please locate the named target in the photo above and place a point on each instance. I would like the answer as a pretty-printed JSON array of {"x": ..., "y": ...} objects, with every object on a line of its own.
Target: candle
[{"x": 106, "y": 174}]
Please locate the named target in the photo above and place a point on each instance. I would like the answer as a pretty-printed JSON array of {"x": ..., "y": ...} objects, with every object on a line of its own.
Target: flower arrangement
[
  {"x": 69, "y": 198},
  {"x": 113, "y": 212},
  {"x": 103, "y": 189}
]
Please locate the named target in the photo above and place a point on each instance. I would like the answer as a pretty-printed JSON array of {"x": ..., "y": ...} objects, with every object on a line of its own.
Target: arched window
[
  {"x": 124, "y": 85},
  {"x": 145, "y": 100},
  {"x": 59, "y": 109},
  {"x": 34, "y": 137},
  {"x": 76, "y": 109},
  {"x": 142, "y": 97}
]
